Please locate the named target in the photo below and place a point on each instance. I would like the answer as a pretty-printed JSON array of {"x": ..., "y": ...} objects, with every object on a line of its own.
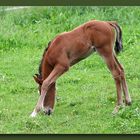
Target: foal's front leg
[{"x": 57, "y": 71}]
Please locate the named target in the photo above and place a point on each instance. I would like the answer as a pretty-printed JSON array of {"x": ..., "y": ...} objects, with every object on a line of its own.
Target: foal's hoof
[
  {"x": 128, "y": 103},
  {"x": 33, "y": 114},
  {"x": 116, "y": 109},
  {"x": 48, "y": 111}
]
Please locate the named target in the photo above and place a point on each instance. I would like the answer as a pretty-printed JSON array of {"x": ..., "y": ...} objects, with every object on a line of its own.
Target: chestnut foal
[{"x": 69, "y": 48}]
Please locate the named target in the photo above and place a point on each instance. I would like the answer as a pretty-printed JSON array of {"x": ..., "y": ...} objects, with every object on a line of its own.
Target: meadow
[{"x": 86, "y": 93}]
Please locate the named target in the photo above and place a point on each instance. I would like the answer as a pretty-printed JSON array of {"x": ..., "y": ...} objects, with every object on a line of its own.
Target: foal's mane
[{"x": 40, "y": 65}]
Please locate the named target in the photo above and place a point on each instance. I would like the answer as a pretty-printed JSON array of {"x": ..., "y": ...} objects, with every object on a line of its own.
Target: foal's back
[{"x": 70, "y": 47}]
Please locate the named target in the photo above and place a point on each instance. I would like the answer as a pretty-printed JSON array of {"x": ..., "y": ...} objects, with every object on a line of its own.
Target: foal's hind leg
[
  {"x": 114, "y": 68},
  {"x": 56, "y": 72},
  {"x": 107, "y": 54},
  {"x": 124, "y": 84}
]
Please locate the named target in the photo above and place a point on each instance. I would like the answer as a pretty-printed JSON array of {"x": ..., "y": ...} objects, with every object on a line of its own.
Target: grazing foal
[{"x": 69, "y": 48}]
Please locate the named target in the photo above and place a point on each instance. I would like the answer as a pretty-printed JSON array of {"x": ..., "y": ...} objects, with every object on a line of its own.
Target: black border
[
  {"x": 70, "y": 137},
  {"x": 70, "y": 2}
]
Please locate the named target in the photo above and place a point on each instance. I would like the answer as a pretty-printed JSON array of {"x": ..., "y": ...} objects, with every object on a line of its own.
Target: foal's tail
[{"x": 118, "y": 42}]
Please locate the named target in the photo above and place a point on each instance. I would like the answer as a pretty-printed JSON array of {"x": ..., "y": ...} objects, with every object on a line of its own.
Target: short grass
[{"x": 87, "y": 93}]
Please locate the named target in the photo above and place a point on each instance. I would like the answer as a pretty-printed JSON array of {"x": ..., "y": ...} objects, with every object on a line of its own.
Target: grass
[{"x": 87, "y": 93}]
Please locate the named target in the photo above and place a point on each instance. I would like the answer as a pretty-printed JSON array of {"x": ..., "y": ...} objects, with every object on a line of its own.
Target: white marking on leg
[
  {"x": 42, "y": 106},
  {"x": 34, "y": 113}
]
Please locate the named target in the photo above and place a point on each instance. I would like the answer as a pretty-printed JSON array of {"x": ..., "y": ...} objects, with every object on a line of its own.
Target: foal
[{"x": 69, "y": 48}]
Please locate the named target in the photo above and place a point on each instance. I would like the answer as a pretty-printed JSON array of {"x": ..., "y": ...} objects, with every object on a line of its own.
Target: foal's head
[{"x": 38, "y": 77}]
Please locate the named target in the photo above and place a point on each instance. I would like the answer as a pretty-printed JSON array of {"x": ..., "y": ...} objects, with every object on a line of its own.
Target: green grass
[{"x": 87, "y": 93}]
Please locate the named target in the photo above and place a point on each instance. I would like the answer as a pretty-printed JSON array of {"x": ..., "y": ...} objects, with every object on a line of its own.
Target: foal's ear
[
  {"x": 49, "y": 43},
  {"x": 36, "y": 78}
]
